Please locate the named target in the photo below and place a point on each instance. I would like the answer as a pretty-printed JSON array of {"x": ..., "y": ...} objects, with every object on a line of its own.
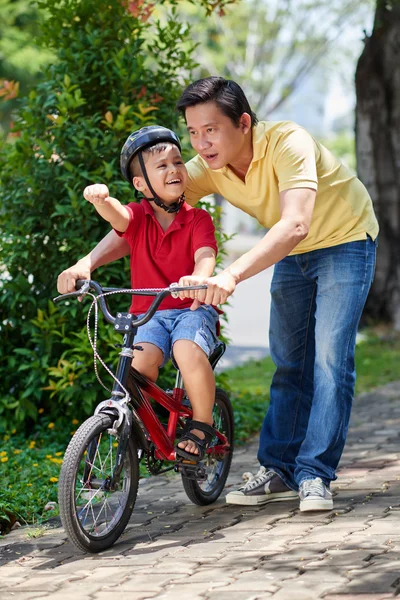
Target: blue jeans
[{"x": 317, "y": 301}]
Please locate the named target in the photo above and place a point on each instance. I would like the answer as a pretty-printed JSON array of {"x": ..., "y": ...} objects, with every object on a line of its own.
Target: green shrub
[
  {"x": 30, "y": 468},
  {"x": 117, "y": 69}
]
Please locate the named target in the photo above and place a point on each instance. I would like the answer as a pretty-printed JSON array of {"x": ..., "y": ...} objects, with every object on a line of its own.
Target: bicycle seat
[{"x": 217, "y": 353}]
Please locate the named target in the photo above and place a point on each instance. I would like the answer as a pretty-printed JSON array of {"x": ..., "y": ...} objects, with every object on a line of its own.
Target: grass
[
  {"x": 33, "y": 533},
  {"x": 377, "y": 360},
  {"x": 30, "y": 466}
]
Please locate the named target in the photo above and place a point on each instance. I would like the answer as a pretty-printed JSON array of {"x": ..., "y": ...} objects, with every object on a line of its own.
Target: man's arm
[{"x": 297, "y": 206}]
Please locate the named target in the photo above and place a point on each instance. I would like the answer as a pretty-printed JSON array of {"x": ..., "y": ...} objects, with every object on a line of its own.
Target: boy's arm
[
  {"x": 110, "y": 248},
  {"x": 109, "y": 208},
  {"x": 204, "y": 265}
]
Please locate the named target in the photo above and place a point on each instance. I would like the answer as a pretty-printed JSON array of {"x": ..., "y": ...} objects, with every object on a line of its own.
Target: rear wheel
[
  {"x": 92, "y": 514},
  {"x": 216, "y": 465}
]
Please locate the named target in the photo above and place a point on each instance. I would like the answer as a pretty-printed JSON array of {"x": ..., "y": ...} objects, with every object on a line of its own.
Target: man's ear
[{"x": 245, "y": 122}]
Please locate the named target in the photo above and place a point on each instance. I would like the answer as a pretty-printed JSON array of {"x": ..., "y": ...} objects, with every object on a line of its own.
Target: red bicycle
[{"x": 99, "y": 477}]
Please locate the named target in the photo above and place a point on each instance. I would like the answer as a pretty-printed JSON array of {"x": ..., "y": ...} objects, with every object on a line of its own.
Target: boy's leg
[
  {"x": 199, "y": 381},
  {"x": 193, "y": 340},
  {"x": 148, "y": 361},
  {"x": 154, "y": 338}
]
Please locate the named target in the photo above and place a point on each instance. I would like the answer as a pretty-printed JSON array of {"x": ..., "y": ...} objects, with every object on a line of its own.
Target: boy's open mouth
[{"x": 174, "y": 181}]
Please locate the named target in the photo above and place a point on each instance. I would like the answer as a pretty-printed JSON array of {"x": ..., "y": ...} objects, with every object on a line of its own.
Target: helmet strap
[{"x": 172, "y": 208}]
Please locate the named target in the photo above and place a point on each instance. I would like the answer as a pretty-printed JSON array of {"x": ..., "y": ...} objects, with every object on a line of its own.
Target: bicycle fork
[{"x": 118, "y": 410}]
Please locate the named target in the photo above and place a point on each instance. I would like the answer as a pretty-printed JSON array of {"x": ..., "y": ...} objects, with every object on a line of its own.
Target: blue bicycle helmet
[
  {"x": 141, "y": 139},
  {"x": 135, "y": 144}
]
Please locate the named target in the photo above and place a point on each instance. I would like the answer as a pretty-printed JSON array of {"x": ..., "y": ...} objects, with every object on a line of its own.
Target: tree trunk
[{"x": 378, "y": 152}]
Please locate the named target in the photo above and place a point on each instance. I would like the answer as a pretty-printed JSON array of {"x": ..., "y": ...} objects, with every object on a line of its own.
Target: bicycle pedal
[{"x": 191, "y": 470}]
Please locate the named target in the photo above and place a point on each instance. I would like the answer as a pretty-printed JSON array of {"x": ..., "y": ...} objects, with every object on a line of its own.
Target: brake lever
[
  {"x": 174, "y": 294},
  {"x": 81, "y": 292},
  {"x": 201, "y": 286}
]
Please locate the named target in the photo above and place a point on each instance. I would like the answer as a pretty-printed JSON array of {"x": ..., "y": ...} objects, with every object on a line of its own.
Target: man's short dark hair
[{"x": 227, "y": 94}]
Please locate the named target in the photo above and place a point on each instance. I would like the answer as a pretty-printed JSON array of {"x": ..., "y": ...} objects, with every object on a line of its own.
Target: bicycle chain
[{"x": 152, "y": 464}]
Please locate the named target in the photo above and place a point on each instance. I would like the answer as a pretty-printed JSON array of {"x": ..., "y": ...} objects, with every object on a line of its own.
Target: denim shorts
[{"x": 168, "y": 326}]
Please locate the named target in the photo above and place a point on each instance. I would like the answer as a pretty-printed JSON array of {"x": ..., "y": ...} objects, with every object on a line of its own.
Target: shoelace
[
  {"x": 313, "y": 487},
  {"x": 252, "y": 481}
]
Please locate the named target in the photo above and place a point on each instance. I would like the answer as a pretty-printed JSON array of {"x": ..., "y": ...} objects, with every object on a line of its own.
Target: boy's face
[
  {"x": 167, "y": 174},
  {"x": 214, "y": 136}
]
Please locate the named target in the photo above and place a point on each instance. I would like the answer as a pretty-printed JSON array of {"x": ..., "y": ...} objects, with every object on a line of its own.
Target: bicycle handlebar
[{"x": 85, "y": 285}]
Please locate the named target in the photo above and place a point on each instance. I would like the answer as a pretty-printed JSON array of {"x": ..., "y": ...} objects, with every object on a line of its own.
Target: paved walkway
[{"x": 175, "y": 550}]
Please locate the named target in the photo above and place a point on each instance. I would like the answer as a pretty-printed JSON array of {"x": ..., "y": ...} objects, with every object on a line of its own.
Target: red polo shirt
[{"x": 159, "y": 257}]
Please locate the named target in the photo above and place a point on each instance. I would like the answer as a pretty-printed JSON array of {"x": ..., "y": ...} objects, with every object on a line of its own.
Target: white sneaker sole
[
  {"x": 241, "y": 499},
  {"x": 310, "y": 504}
]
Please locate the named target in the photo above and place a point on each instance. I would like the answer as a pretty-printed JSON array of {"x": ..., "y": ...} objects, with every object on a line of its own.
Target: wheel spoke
[{"x": 102, "y": 507}]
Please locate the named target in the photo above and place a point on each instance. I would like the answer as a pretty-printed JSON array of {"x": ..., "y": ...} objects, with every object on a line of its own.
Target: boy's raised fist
[{"x": 96, "y": 193}]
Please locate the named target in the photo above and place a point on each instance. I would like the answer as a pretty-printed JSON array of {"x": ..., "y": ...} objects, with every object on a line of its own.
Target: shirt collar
[{"x": 260, "y": 142}]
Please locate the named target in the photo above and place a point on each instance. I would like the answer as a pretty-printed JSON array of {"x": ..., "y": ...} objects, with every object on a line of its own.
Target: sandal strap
[
  {"x": 207, "y": 429},
  {"x": 200, "y": 443}
]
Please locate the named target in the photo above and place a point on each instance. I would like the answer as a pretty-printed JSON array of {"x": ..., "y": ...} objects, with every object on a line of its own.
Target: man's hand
[
  {"x": 96, "y": 194},
  {"x": 219, "y": 288},
  {"x": 67, "y": 279}
]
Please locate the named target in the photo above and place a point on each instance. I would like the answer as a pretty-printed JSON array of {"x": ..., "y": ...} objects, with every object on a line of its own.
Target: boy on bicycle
[{"x": 169, "y": 241}]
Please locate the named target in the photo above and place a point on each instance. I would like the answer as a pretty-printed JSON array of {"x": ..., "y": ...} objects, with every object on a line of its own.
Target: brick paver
[{"x": 172, "y": 549}]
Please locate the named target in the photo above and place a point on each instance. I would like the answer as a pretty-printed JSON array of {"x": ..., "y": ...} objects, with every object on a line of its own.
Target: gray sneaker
[
  {"x": 265, "y": 486},
  {"x": 314, "y": 495}
]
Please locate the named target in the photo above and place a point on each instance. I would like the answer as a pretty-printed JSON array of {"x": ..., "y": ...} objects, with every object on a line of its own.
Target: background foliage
[
  {"x": 271, "y": 47},
  {"x": 21, "y": 59},
  {"x": 116, "y": 69}
]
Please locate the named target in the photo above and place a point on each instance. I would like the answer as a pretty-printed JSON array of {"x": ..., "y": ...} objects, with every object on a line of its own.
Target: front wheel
[
  {"x": 216, "y": 466},
  {"x": 94, "y": 515}
]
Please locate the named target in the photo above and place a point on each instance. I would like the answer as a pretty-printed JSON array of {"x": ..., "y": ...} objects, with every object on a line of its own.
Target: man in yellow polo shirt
[{"x": 321, "y": 239}]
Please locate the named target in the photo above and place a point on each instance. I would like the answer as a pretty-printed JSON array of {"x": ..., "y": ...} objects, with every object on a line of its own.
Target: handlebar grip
[{"x": 80, "y": 283}]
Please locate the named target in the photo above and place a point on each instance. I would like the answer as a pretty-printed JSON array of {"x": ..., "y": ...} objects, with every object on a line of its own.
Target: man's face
[
  {"x": 167, "y": 174},
  {"x": 214, "y": 135}
]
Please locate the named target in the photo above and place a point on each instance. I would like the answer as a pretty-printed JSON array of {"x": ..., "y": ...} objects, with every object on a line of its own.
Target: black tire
[
  {"x": 92, "y": 516},
  {"x": 217, "y": 467}
]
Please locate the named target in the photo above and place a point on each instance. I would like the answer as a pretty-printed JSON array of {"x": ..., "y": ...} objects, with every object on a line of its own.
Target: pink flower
[
  {"x": 139, "y": 9},
  {"x": 8, "y": 89}
]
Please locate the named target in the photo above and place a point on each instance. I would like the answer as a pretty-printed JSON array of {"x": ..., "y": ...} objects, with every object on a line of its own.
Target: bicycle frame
[{"x": 141, "y": 389}]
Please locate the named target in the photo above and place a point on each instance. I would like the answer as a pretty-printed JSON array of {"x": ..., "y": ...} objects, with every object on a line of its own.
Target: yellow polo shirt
[{"x": 286, "y": 156}]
